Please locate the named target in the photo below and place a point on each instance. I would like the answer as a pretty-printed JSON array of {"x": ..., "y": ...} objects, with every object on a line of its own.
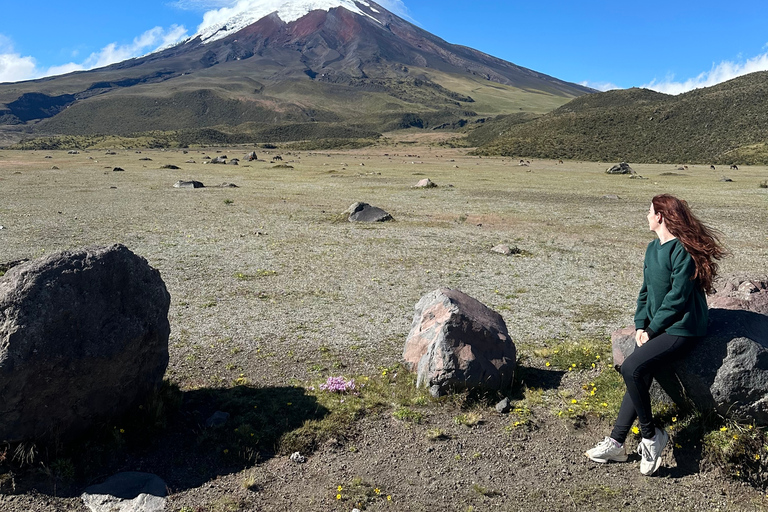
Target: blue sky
[{"x": 670, "y": 45}]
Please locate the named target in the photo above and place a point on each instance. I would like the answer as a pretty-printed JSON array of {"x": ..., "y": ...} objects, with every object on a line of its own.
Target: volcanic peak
[{"x": 229, "y": 20}]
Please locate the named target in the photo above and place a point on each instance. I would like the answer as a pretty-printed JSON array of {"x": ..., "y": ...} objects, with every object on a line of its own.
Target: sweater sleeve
[
  {"x": 641, "y": 313},
  {"x": 683, "y": 269}
]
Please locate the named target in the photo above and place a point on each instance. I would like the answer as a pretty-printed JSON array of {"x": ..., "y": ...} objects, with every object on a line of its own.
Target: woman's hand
[{"x": 641, "y": 337}]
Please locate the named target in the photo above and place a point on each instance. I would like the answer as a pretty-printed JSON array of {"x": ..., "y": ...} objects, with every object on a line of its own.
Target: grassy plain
[{"x": 269, "y": 289}]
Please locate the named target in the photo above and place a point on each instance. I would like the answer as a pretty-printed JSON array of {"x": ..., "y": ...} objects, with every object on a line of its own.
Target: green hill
[{"x": 723, "y": 124}]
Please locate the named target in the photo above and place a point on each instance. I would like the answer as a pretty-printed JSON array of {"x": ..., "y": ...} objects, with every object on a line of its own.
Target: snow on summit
[{"x": 228, "y": 20}]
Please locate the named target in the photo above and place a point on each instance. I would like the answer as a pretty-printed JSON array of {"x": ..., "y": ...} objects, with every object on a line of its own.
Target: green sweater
[{"x": 670, "y": 301}]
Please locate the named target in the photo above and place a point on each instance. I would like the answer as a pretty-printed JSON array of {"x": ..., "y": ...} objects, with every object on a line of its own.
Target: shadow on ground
[{"x": 168, "y": 436}]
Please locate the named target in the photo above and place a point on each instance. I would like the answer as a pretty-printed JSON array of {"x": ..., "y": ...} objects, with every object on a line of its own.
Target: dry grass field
[{"x": 270, "y": 289}]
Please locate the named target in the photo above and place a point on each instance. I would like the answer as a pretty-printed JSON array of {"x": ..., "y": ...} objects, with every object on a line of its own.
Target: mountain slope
[
  {"x": 349, "y": 62},
  {"x": 725, "y": 124}
]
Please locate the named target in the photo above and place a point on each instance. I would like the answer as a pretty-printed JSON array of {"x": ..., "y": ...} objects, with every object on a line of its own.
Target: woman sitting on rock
[{"x": 671, "y": 315}]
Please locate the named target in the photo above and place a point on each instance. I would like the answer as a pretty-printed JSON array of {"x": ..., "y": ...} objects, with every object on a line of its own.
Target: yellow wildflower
[
  {"x": 339, "y": 488},
  {"x": 574, "y": 401},
  {"x": 723, "y": 429},
  {"x": 338, "y": 496},
  {"x": 389, "y": 498},
  {"x": 377, "y": 491},
  {"x": 547, "y": 364},
  {"x": 674, "y": 419},
  {"x": 635, "y": 430}
]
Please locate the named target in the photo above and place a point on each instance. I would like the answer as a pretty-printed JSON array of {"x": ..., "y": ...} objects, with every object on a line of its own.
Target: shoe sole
[
  {"x": 621, "y": 458},
  {"x": 657, "y": 462}
]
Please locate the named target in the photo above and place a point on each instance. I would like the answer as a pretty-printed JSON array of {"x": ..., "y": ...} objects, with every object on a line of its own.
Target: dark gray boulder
[
  {"x": 726, "y": 371},
  {"x": 363, "y": 212},
  {"x": 456, "y": 342},
  {"x": 83, "y": 338}
]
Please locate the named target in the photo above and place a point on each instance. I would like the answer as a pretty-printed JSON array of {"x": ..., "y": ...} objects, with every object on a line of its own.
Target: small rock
[
  {"x": 612, "y": 197},
  {"x": 170, "y": 166},
  {"x": 298, "y": 458},
  {"x": 146, "y": 158},
  {"x": 188, "y": 184},
  {"x": 217, "y": 419},
  {"x": 118, "y": 169},
  {"x": 54, "y": 168},
  {"x": 504, "y": 406},
  {"x": 726, "y": 179},
  {"x": 505, "y": 249},
  {"x": 425, "y": 183},
  {"x": 227, "y": 185}
]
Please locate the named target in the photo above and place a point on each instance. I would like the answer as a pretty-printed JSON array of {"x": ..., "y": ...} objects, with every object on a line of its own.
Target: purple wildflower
[{"x": 338, "y": 385}]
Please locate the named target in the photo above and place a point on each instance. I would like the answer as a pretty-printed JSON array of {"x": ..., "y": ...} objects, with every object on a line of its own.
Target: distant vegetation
[
  {"x": 724, "y": 124},
  {"x": 313, "y": 135}
]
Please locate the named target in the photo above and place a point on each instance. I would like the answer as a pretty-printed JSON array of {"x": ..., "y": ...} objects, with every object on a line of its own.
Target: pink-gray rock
[
  {"x": 739, "y": 292},
  {"x": 456, "y": 342},
  {"x": 725, "y": 371},
  {"x": 425, "y": 183},
  {"x": 83, "y": 338}
]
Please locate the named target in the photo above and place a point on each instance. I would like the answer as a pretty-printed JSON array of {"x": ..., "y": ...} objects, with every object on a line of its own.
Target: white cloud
[
  {"x": 719, "y": 73},
  {"x": 15, "y": 67},
  {"x": 600, "y": 86}
]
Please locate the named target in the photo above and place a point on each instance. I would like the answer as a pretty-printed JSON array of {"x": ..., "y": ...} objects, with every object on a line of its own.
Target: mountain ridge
[{"x": 376, "y": 71}]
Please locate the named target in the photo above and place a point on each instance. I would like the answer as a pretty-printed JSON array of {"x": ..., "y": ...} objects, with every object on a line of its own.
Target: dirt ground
[{"x": 267, "y": 285}]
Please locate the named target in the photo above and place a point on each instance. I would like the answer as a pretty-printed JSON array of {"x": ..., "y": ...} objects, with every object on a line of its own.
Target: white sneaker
[
  {"x": 607, "y": 450},
  {"x": 650, "y": 452}
]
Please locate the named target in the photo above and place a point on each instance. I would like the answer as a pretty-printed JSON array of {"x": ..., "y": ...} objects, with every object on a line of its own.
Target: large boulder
[
  {"x": 83, "y": 338},
  {"x": 739, "y": 292},
  {"x": 127, "y": 492},
  {"x": 363, "y": 212},
  {"x": 456, "y": 342},
  {"x": 725, "y": 371}
]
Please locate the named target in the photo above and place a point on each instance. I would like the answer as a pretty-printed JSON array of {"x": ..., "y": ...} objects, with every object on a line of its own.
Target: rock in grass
[
  {"x": 83, "y": 338},
  {"x": 188, "y": 184},
  {"x": 425, "y": 183},
  {"x": 170, "y": 166},
  {"x": 127, "y": 492},
  {"x": 363, "y": 212},
  {"x": 622, "y": 168},
  {"x": 505, "y": 249},
  {"x": 456, "y": 342},
  {"x": 118, "y": 169},
  {"x": 504, "y": 406},
  {"x": 725, "y": 371}
]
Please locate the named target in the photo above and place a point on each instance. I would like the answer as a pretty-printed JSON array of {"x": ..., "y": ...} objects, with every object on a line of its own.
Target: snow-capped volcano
[{"x": 229, "y": 20}]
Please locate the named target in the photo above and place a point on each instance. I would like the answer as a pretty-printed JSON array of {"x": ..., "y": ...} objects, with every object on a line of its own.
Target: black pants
[{"x": 638, "y": 371}]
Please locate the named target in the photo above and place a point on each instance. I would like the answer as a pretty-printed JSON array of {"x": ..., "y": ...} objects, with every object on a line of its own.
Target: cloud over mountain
[{"x": 722, "y": 72}]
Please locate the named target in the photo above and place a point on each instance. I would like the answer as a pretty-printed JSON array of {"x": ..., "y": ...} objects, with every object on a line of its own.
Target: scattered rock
[
  {"x": 504, "y": 406},
  {"x": 48, "y": 156},
  {"x": 456, "y": 342},
  {"x": 251, "y": 156},
  {"x": 363, "y": 212},
  {"x": 425, "y": 183},
  {"x": 612, "y": 197},
  {"x": 726, "y": 179},
  {"x": 725, "y": 371},
  {"x": 227, "y": 185},
  {"x": 127, "y": 492},
  {"x": 298, "y": 458},
  {"x": 188, "y": 184},
  {"x": 110, "y": 153},
  {"x": 84, "y": 338},
  {"x": 145, "y": 159},
  {"x": 234, "y": 161},
  {"x": 622, "y": 168},
  {"x": 190, "y": 162},
  {"x": 54, "y": 168},
  {"x": 505, "y": 249},
  {"x": 217, "y": 419},
  {"x": 170, "y": 166},
  {"x": 73, "y": 152},
  {"x": 118, "y": 169},
  {"x": 222, "y": 159}
]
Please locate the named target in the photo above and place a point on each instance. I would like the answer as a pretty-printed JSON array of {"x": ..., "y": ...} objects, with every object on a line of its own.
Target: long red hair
[{"x": 701, "y": 241}]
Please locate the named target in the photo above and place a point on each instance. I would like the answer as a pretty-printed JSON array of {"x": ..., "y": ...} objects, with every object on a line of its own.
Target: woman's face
[{"x": 654, "y": 219}]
